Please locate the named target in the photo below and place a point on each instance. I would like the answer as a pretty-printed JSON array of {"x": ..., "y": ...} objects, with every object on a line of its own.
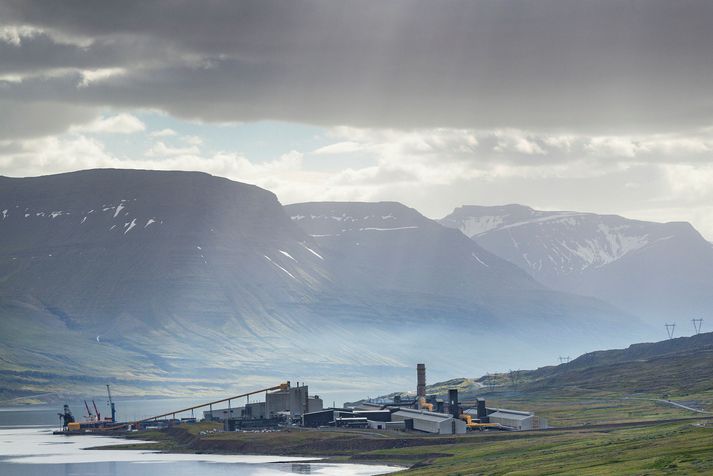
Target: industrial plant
[
  {"x": 425, "y": 413},
  {"x": 285, "y": 405}
]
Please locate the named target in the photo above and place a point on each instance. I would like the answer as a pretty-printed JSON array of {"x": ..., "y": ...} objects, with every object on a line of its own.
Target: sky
[{"x": 601, "y": 106}]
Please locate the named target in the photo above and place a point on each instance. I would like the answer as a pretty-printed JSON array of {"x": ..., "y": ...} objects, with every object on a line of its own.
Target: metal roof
[
  {"x": 437, "y": 417},
  {"x": 509, "y": 416}
]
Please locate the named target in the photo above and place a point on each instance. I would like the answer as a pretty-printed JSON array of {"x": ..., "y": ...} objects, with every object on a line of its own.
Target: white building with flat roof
[
  {"x": 430, "y": 422},
  {"x": 513, "y": 419}
]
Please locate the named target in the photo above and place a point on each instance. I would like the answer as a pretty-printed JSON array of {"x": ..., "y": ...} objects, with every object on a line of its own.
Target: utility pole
[
  {"x": 670, "y": 328},
  {"x": 697, "y": 323}
]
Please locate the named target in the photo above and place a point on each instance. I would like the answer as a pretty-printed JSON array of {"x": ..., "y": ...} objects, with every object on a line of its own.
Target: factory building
[
  {"x": 287, "y": 403},
  {"x": 223, "y": 414},
  {"x": 513, "y": 419},
  {"x": 294, "y": 401},
  {"x": 325, "y": 417},
  {"x": 429, "y": 422},
  {"x": 290, "y": 404},
  {"x": 333, "y": 416},
  {"x": 388, "y": 425}
]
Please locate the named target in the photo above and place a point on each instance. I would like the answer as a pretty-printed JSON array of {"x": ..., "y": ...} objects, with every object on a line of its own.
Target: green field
[
  {"x": 662, "y": 449},
  {"x": 645, "y": 448}
]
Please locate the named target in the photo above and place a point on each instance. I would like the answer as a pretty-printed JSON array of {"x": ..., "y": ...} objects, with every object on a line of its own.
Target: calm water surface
[{"x": 34, "y": 451}]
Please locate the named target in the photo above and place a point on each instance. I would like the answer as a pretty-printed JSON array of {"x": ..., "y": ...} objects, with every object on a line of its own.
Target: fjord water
[{"x": 33, "y": 450}]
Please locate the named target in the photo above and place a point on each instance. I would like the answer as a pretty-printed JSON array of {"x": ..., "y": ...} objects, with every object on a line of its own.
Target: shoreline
[{"x": 331, "y": 450}]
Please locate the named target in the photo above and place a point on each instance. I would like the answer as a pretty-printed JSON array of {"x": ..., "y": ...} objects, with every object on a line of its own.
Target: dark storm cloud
[{"x": 581, "y": 66}]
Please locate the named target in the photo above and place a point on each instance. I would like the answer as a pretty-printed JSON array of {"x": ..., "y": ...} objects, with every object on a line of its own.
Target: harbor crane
[{"x": 111, "y": 404}]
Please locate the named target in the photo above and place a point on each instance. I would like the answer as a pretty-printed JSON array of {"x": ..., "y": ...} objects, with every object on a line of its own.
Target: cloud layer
[
  {"x": 602, "y": 67},
  {"x": 592, "y": 105}
]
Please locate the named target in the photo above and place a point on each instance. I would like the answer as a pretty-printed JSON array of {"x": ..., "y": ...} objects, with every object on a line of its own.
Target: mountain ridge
[
  {"x": 654, "y": 270},
  {"x": 171, "y": 276}
]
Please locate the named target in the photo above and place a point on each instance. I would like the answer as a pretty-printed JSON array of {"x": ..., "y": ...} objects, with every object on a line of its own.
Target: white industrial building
[
  {"x": 513, "y": 419},
  {"x": 430, "y": 422}
]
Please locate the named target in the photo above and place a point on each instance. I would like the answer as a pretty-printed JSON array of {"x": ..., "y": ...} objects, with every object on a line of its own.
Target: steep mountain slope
[
  {"x": 182, "y": 281},
  {"x": 394, "y": 247},
  {"x": 433, "y": 276},
  {"x": 155, "y": 274},
  {"x": 660, "y": 271}
]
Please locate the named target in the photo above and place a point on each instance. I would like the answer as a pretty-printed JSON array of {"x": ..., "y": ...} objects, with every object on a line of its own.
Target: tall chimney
[
  {"x": 420, "y": 380},
  {"x": 453, "y": 402},
  {"x": 482, "y": 412}
]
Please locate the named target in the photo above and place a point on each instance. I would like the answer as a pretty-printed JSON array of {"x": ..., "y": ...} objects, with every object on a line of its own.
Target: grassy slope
[
  {"x": 672, "y": 448},
  {"x": 663, "y": 449}
]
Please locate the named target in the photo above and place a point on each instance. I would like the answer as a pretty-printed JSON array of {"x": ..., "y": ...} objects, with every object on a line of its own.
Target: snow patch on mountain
[
  {"x": 312, "y": 251},
  {"x": 479, "y": 260},
  {"x": 476, "y": 225},
  {"x": 283, "y": 269},
  {"x": 119, "y": 209},
  {"x": 285, "y": 253},
  {"x": 371, "y": 228},
  {"x": 130, "y": 225}
]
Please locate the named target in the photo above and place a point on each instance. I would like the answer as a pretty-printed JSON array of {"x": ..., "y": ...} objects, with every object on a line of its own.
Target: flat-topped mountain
[{"x": 185, "y": 278}]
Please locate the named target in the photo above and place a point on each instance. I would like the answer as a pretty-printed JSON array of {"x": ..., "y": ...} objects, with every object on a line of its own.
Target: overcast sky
[{"x": 579, "y": 105}]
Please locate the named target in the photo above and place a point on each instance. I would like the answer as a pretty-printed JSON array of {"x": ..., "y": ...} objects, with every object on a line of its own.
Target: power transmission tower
[
  {"x": 489, "y": 382},
  {"x": 670, "y": 328},
  {"x": 514, "y": 378},
  {"x": 564, "y": 360},
  {"x": 697, "y": 323}
]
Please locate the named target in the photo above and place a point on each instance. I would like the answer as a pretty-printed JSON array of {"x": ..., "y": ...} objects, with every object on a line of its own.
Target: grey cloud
[
  {"x": 40, "y": 53},
  {"x": 20, "y": 119},
  {"x": 543, "y": 65}
]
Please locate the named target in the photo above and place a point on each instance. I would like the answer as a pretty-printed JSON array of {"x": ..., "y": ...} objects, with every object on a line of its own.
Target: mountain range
[
  {"x": 661, "y": 272},
  {"x": 176, "y": 282}
]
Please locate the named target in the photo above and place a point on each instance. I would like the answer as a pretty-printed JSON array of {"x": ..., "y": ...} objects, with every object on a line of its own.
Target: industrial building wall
[
  {"x": 223, "y": 413},
  {"x": 426, "y": 425},
  {"x": 314, "y": 404},
  {"x": 518, "y": 423},
  {"x": 292, "y": 400},
  {"x": 255, "y": 410}
]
